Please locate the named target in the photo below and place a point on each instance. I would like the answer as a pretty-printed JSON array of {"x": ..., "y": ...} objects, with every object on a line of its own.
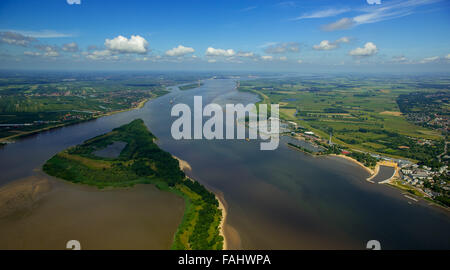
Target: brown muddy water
[
  {"x": 40, "y": 212},
  {"x": 280, "y": 199}
]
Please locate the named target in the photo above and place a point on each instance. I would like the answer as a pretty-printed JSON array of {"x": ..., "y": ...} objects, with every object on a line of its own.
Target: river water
[{"x": 280, "y": 199}]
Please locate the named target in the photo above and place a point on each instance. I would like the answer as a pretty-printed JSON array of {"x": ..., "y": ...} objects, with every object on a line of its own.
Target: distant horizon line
[{"x": 223, "y": 71}]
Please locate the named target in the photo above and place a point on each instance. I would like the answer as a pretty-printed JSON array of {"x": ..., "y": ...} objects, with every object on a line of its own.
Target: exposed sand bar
[
  {"x": 354, "y": 161},
  {"x": 21, "y": 196},
  {"x": 222, "y": 222},
  {"x": 377, "y": 168},
  {"x": 184, "y": 165},
  {"x": 41, "y": 212},
  {"x": 142, "y": 103}
]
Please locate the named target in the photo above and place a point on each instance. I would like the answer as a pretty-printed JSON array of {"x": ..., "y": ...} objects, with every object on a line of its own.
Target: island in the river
[
  {"x": 127, "y": 156},
  {"x": 190, "y": 86}
]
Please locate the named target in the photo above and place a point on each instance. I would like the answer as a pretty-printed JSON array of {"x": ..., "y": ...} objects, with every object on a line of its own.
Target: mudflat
[{"x": 41, "y": 212}]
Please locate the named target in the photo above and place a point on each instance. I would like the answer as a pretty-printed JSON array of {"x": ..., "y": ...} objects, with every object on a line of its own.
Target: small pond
[{"x": 111, "y": 151}]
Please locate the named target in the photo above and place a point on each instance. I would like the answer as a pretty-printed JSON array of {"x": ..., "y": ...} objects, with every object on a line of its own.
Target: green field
[
  {"x": 141, "y": 161},
  {"x": 361, "y": 112},
  {"x": 45, "y": 101}
]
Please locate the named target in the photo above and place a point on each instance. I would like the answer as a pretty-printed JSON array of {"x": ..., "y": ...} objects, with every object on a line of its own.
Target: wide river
[{"x": 280, "y": 199}]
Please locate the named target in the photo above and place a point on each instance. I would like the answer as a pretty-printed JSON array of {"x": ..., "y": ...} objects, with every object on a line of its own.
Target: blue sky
[{"x": 308, "y": 35}]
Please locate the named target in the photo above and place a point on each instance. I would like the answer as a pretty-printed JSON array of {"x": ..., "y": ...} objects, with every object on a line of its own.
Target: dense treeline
[
  {"x": 423, "y": 102},
  {"x": 364, "y": 158},
  {"x": 200, "y": 239},
  {"x": 333, "y": 149},
  {"x": 190, "y": 86},
  {"x": 300, "y": 148},
  {"x": 206, "y": 216},
  {"x": 206, "y": 195},
  {"x": 397, "y": 144},
  {"x": 148, "y": 158}
]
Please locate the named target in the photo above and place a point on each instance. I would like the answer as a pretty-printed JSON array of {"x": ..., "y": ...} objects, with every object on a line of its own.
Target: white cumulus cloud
[
  {"x": 219, "y": 52},
  {"x": 267, "y": 57},
  {"x": 48, "y": 50},
  {"x": 374, "y": 2},
  {"x": 179, "y": 51},
  {"x": 429, "y": 59},
  {"x": 400, "y": 59},
  {"x": 121, "y": 44},
  {"x": 14, "y": 38},
  {"x": 245, "y": 54},
  {"x": 100, "y": 55},
  {"x": 368, "y": 50},
  {"x": 343, "y": 40},
  {"x": 70, "y": 47},
  {"x": 326, "y": 45},
  {"x": 74, "y": 2},
  {"x": 29, "y": 53},
  {"x": 286, "y": 47}
]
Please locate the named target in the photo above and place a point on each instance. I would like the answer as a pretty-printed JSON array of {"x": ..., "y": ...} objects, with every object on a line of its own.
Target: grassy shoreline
[
  {"x": 305, "y": 151},
  {"x": 394, "y": 183},
  {"x": 369, "y": 170},
  {"x": 223, "y": 220}
]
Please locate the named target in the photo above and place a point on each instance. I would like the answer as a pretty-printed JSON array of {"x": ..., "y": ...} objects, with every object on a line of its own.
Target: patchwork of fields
[
  {"x": 361, "y": 113},
  {"x": 30, "y": 103}
]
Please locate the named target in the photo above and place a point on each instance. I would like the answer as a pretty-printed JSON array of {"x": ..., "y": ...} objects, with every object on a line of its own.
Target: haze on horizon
[{"x": 295, "y": 36}]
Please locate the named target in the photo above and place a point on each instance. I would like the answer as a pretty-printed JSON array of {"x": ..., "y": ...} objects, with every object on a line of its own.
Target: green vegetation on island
[
  {"x": 190, "y": 86},
  {"x": 141, "y": 161}
]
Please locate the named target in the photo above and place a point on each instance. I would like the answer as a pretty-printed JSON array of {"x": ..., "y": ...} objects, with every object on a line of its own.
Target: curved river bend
[{"x": 280, "y": 199}]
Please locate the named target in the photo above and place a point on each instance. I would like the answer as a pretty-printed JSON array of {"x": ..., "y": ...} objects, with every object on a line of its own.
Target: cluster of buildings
[
  {"x": 432, "y": 182},
  {"x": 441, "y": 122},
  {"x": 70, "y": 117},
  {"x": 417, "y": 176},
  {"x": 50, "y": 94},
  {"x": 435, "y": 121}
]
